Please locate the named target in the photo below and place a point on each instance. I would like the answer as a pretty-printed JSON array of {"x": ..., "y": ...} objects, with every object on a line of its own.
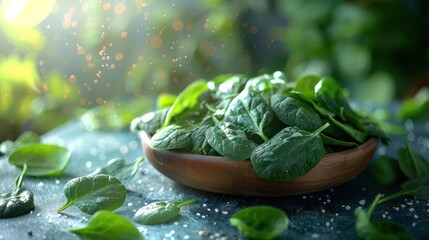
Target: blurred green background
[{"x": 60, "y": 58}]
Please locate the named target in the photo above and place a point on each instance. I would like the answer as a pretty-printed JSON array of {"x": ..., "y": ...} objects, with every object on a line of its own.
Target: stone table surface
[{"x": 327, "y": 214}]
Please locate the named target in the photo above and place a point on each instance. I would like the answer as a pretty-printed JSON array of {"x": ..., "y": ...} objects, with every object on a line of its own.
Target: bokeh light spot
[
  {"x": 119, "y": 57},
  {"x": 156, "y": 42},
  {"x": 124, "y": 34},
  {"x": 177, "y": 26},
  {"x": 120, "y": 8},
  {"x": 106, "y": 6}
]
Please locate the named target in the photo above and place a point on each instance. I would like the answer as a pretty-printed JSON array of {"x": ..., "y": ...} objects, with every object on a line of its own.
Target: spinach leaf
[
  {"x": 93, "y": 193},
  {"x": 159, "y": 212},
  {"x": 165, "y": 100},
  {"x": 231, "y": 87},
  {"x": 18, "y": 202},
  {"x": 118, "y": 168},
  {"x": 250, "y": 112},
  {"x": 173, "y": 137},
  {"x": 41, "y": 159},
  {"x": 260, "y": 222},
  {"x": 187, "y": 99},
  {"x": 267, "y": 83},
  {"x": 370, "y": 230},
  {"x": 109, "y": 226},
  {"x": 290, "y": 154},
  {"x": 417, "y": 187},
  {"x": 295, "y": 113},
  {"x": 199, "y": 142},
  {"x": 8, "y": 147},
  {"x": 306, "y": 84},
  {"x": 327, "y": 140},
  {"x": 357, "y": 135},
  {"x": 229, "y": 141},
  {"x": 412, "y": 164},
  {"x": 385, "y": 170},
  {"x": 149, "y": 122}
]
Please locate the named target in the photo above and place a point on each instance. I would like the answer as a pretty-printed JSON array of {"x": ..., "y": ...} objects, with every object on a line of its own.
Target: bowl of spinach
[{"x": 260, "y": 136}]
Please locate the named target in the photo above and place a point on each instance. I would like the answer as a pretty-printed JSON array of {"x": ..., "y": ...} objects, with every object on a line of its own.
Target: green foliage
[
  {"x": 260, "y": 222},
  {"x": 41, "y": 159},
  {"x": 159, "y": 212},
  {"x": 109, "y": 226},
  {"x": 229, "y": 141},
  {"x": 281, "y": 158},
  {"x": 412, "y": 164},
  {"x": 93, "y": 193},
  {"x": 18, "y": 202},
  {"x": 118, "y": 168},
  {"x": 385, "y": 170},
  {"x": 7, "y": 147},
  {"x": 367, "y": 229},
  {"x": 416, "y": 107},
  {"x": 265, "y": 120}
]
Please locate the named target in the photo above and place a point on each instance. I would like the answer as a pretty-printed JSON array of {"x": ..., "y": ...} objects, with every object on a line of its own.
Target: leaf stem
[
  {"x": 183, "y": 203},
  {"x": 18, "y": 181},
  {"x": 64, "y": 207},
  {"x": 319, "y": 130},
  {"x": 373, "y": 205},
  {"x": 390, "y": 197}
]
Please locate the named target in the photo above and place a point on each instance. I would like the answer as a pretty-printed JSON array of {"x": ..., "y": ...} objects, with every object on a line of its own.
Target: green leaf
[
  {"x": 383, "y": 230},
  {"x": 173, "y": 137},
  {"x": 159, "y": 212},
  {"x": 385, "y": 170},
  {"x": 412, "y": 164},
  {"x": 165, "y": 100},
  {"x": 260, "y": 222},
  {"x": 8, "y": 147},
  {"x": 18, "y": 202},
  {"x": 290, "y": 154},
  {"x": 357, "y": 135},
  {"x": 106, "y": 225},
  {"x": 295, "y": 113},
  {"x": 93, "y": 193},
  {"x": 199, "y": 142},
  {"x": 250, "y": 112},
  {"x": 41, "y": 159},
  {"x": 229, "y": 141},
  {"x": 306, "y": 84},
  {"x": 149, "y": 122},
  {"x": 188, "y": 98},
  {"x": 118, "y": 168},
  {"x": 417, "y": 187},
  {"x": 327, "y": 140}
]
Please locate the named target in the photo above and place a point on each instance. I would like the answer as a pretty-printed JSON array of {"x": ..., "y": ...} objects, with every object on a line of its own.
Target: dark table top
[{"x": 327, "y": 214}]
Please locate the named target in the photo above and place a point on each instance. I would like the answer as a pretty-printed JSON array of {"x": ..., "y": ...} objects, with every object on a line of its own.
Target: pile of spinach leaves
[{"x": 266, "y": 119}]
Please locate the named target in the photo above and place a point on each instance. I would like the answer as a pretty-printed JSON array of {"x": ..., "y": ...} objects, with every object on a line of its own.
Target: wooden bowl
[{"x": 218, "y": 174}]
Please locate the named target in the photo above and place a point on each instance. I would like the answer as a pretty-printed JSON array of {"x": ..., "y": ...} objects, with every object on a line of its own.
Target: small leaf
[
  {"x": 229, "y": 141},
  {"x": 8, "y": 147},
  {"x": 290, "y": 154},
  {"x": 173, "y": 137},
  {"x": 385, "y": 170},
  {"x": 19, "y": 202},
  {"x": 412, "y": 164},
  {"x": 260, "y": 222},
  {"x": 41, "y": 159},
  {"x": 306, "y": 85},
  {"x": 417, "y": 187},
  {"x": 14, "y": 205},
  {"x": 250, "y": 112},
  {"x": 295, "y": 113},
  {"x": 159, "y": 212},
  {"x": 118, "y": 168},
  {"x": 93, "y": 193},
  {"x": 109, "y": 226},
  {"x": 370, "y": 230},
  {"x": 149, "y": 122}
]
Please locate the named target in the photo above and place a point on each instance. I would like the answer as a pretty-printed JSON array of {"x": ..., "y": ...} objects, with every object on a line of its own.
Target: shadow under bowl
[{"x": 221, "y": 175}]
